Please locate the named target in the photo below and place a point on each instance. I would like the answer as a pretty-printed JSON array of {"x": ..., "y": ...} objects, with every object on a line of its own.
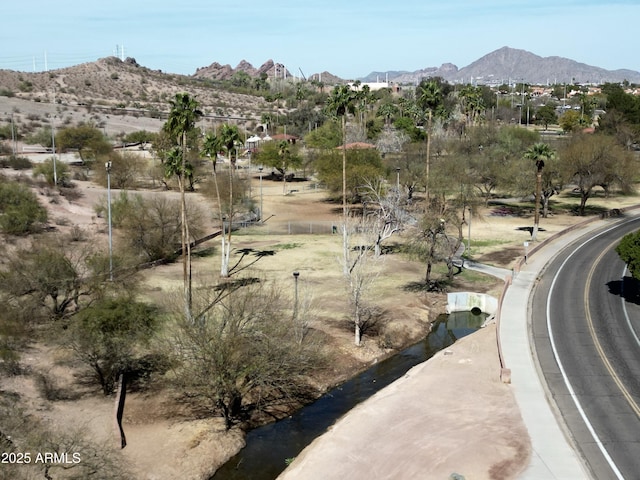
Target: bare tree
[
  {"x": 432, "y": 243},
  {"x": 59, "y": 278},
  {"x": 384, "y": 214},
  {"x": 359, "y": 278},
  {"x": 597, "y": 160},
  {"x": 241, "y": 354}
]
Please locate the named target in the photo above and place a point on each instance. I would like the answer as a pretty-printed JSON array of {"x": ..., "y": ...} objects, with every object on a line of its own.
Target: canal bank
[
  {"x": 427, "y": 425},
  {"x": 268, "y": 447}
]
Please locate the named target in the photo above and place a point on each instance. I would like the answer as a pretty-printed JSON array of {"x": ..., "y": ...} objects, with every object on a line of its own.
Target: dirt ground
[{"x": 165, "y": 443}]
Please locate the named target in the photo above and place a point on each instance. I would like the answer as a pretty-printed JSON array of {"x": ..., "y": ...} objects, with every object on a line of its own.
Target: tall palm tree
[
  {"x": 182, "y": 119},
  {"x": 428, "y": 98},
  {"x": 340, "y": 102},
  {"x": 387, "y": 111},
  {"x": 538, "y": 152},
  {"x": 230, "y": 139},
  {"x": 211, "y": 145}
]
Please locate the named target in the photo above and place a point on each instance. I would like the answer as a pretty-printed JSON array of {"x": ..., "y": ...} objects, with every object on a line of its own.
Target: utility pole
[
  {"x": 296, "y": 274},
  {"x": 53, "y": 149},
  {"x": 53, "y": 142},
  {"x": 108, "y": 167},
  {"x": 13, "y": 136}
]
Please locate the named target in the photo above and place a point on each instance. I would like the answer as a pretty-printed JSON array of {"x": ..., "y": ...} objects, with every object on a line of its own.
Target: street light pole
[
  {"x": 53, "y": 149},
  {"x": 261, "y": 215},
  {"x": 108, "y": 167},
  {"x": 296, "y": 274},
  {"x": 249, "y": 155},
  {"x": 469, "y": 237}
]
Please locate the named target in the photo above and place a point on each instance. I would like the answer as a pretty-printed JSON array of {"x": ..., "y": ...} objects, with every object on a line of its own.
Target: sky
[{"x": 348, "y": 38}]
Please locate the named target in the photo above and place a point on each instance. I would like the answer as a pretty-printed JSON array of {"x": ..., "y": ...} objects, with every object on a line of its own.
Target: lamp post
[
  {"x": 53, "y": 149},
  {"x": 107, "y": 165},
  {"x": 261, "y": 216},
  {"x": 469, "y": 236},
  {"x": 296, "y": 274},
  {"x": 249, "y": 156}
]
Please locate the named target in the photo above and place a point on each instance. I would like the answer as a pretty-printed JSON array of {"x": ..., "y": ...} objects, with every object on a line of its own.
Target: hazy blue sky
[{"x": 347, "y": 38}]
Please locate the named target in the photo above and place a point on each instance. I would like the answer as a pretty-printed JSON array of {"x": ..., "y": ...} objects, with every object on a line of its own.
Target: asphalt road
[{"x": 586, "y": 339}]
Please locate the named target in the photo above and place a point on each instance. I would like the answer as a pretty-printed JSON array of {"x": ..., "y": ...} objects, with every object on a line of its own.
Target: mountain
[
  {"x": 110, "y": 86},
  {"x": 512, "y": 64},
  {"x": 215, "y": 71}
]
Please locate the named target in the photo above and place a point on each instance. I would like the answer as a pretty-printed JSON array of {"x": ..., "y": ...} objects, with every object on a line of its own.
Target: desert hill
[{"x": 110, "y": 83}]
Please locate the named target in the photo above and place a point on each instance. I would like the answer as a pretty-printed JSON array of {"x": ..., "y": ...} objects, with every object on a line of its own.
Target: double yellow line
[{"x": 596, "y": 341}]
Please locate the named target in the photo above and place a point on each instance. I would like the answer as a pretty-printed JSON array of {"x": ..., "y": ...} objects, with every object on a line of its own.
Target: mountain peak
[{"x": 512, "y": 64}]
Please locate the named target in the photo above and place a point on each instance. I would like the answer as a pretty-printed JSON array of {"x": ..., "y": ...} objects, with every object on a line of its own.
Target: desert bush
[
  {"x": 57, "y": 278},
  {"x": 20, "y": 211},
  {"x": 19, "y": 163},
  {"x": 77, "y": 234},
  {"x": 40, "y": 137},
  {"x": 46, "y": 169},
  {"x": 29, "y": 433},
  {"x": 151, "y": 225},
  {"x": 70, "y": 192},
  {"x": 126, "y": 168},
  {"x": 106, "y": 337},
  {"x": 242, "y": 354},
  {"x": 49, "y": 388},
  {"x": 15, "y": 162}
]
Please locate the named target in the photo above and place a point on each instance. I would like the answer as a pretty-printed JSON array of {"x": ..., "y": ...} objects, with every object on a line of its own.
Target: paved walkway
[{"x": 553, "y": 456}]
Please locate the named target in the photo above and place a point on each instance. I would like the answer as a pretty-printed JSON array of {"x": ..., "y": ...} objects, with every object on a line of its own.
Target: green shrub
[
  {"x": 20, "y": 211},
  {"x": 46, "y": 169},
  {"x": 107, "y": 336},
  {"x": 19, "y": 163}
]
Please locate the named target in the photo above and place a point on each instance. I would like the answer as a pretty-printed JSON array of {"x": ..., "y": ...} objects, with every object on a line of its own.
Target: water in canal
[{"x": 269, "y": 446}]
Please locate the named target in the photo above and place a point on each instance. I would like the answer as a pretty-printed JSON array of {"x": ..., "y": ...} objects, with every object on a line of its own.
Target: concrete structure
[{"x": 467, "y": 301}]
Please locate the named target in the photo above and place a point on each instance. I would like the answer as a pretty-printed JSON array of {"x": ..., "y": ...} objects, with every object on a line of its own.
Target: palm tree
[
  {"x": 387, "y": 111},
  {"x": 429, "y": 98},
  {"x": 182, "y": 120},
  {"x": 471, "y": 103},
  {"x": 230, "y": 139},
  {"x": 341, "y": 102},
  {"x": 539, "y": 152},
  {"x": 210, "y": 147}
]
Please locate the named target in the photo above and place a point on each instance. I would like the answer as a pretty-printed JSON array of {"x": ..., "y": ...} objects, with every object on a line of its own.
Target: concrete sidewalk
[{"x": 553, "y": 456}]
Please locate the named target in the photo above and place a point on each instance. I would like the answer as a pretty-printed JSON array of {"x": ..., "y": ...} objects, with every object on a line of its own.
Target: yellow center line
[{"x": 599, "y": 348}]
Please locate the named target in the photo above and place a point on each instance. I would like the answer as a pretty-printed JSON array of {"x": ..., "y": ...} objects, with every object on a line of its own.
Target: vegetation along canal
[{"x": 268, "y": 447}]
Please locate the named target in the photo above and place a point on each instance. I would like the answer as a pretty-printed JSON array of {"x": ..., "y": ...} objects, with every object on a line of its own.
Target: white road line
[{"x": 574, "y": 397}]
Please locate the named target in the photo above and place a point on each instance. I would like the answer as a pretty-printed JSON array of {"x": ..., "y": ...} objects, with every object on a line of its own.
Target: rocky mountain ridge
[
  {"x": 219, "y": 72},
  {"x": 510, "y": 64}
]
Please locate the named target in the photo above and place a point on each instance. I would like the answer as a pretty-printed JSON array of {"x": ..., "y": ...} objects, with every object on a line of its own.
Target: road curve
[{"x": 586, "y": 340}]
